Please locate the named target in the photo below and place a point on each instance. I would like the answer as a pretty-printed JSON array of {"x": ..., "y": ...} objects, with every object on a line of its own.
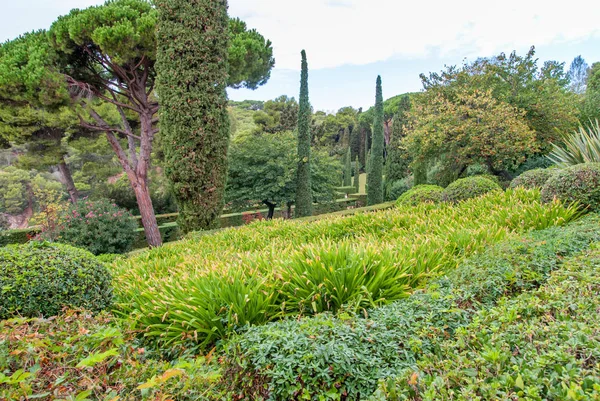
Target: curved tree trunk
[
  {"x": 142, "y": 195},
  {"x": 65, "y": 172}
]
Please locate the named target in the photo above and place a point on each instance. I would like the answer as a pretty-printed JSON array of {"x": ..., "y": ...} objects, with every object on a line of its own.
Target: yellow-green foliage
[{"x": 197, "y": 291}]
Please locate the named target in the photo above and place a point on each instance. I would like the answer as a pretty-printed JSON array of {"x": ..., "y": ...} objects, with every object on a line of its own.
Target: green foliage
[
  {"x": 13, "y": 190},
  {"x": 304, "y": 197},
  {"x": 542, "y": 93},
  {"x": 92, "y": 357},
  {"x": 4, "y": 224},
  {"x": 277, "y": 115},
  {"x": 40, "y": 279},
  {"x": 250, "y": 58},
  {"x": 18, "y": 236},
  {"x": 122, "y": 194},
  {"x": 532, "y": 179},
  {"x": 535, "y": 346},
  {"x": 194, "y": 118},
  {"x": 348, "y": 168},
  {"x": 468, "y": 127},
  {"x": 467, "y": 188},
  {"x": 582, "y": 146},
  {"x": 395, "y": 189},
  {"x": 375, "y": 177},
  {"x": 98, "y": 226},
  {"x": 356, "y": 181},
  {"x": 224, "y": 281},
  {"x": 579, "y": 183},
  {"x": 420, "y": 194},
  {"x": 345, "y": 357},
  {"x": 262, "y": 168}
]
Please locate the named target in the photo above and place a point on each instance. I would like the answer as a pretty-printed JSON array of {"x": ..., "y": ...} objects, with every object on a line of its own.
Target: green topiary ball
[
  {"x": 100, "y": 227},
  {"x": 41, "y": 278},
  {"x": 420, "y": 194},
  {"x": 532, "y": 179},
  {"x": 579, "y": 183},
  {"x": 467, "y": 188}
]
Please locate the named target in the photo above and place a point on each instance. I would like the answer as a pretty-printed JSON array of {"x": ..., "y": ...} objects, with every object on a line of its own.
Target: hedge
[
  {"x": 541, "y": 345},
  {"x": 345, "y": 357}
]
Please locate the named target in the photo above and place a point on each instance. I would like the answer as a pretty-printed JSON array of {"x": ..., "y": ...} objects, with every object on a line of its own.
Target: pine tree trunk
[
  {"x": 68, "y": 181},
  {"x": 142, "y": 194}
]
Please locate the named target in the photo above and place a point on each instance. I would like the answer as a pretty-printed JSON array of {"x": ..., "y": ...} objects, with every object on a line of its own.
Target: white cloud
[{"x": 338, "y": 32}]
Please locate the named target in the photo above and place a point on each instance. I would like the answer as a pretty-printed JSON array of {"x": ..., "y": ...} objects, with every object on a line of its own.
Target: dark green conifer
[
  {"x": 303, "y": 183},
  {"x": 356, "y": 174},
  {"x": 375, "y": 177},
  {"x": 192, "y": 53},
  {"x": 348, "y": 168}
]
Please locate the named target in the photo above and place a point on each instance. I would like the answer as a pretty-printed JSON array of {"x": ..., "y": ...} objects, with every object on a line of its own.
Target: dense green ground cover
[
  {"x": 77, "y": 356},
  {"x": 541, "y": 345},
  {"x": 435, "y": 344},
  {"x": 344, "y": 357},
  {"x": 196, "y": 292}
]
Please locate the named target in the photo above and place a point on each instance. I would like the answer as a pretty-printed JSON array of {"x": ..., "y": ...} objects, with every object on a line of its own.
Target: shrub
[
  {"x": 583, "y": 146},
  {"x": 195, "y": 292},
  {"x": 345, "y": 357},
  {"x": 532, "y": 179},
  {"x": 580, "y": 183},
  {"x": 91, "y": 357},
  {"x": 4, "y": 224},
  {"x": 396, "y": 188},
  {"x": 42, "y": 278},
  {"x": 538, "y": 346},
  {"x": 420, "y": 194},
  {"x": 467, "y": 188},
  {"x": 100, "y": 227}
]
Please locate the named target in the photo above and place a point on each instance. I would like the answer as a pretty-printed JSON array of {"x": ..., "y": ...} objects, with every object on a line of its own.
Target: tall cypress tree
[
  {"x": 356, "y": 174},
  {"x": 348, "y": 168},
  {"x": 375, "y": 177},
  {"x": 303, "y": 183},
  {"x": 192, "y": 53}
]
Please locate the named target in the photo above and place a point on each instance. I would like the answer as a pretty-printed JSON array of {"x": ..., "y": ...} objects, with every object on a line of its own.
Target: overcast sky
[{"x": 350, "y": 42}]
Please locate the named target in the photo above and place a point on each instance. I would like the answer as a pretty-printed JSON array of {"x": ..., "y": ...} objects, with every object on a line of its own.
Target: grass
[{"x": 196, "y": 292}]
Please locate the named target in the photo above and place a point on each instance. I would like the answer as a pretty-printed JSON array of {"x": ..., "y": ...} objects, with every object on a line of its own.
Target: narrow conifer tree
[
  {"x": 348, "y": 168},
  {"x": 375, "y": 177},
  {"x": 192, "y": 38},
  {"x": 356, "y": 174},
  {"x": 303, "y": 182}
]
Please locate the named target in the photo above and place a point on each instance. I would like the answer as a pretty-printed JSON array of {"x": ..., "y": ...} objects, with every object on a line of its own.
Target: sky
[{"x": 350, "y": 42}]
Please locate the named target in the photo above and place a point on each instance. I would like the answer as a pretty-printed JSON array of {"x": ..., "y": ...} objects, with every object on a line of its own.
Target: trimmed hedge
[
  {"x": 467, "y": 188},
  {"x": 19, "y": 236},
  {"x": 40, "y": 279},
  {"x": 532, "y": 179},
  {"x": 542, "y": 345},
  {"x": 345, "y": 357},
  {"x": 580, "y": 183},
  {"x": 420, "y": 194},
  {"x": 345, "y": 190}
]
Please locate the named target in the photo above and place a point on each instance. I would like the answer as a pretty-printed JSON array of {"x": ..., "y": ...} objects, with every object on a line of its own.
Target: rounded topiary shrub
[
  {"x": 579, "y": 183},
  {"x": 532, "y": 179},
  {"x": 467, "y": 188},
  {"x": 41, "y": 278},
  {"x": 98, "y": 226},
  {"x": 420, "y": 194}
]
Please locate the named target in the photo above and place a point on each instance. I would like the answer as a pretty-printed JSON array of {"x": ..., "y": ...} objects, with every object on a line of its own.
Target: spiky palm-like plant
[{"x": 583, "y": 146}]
